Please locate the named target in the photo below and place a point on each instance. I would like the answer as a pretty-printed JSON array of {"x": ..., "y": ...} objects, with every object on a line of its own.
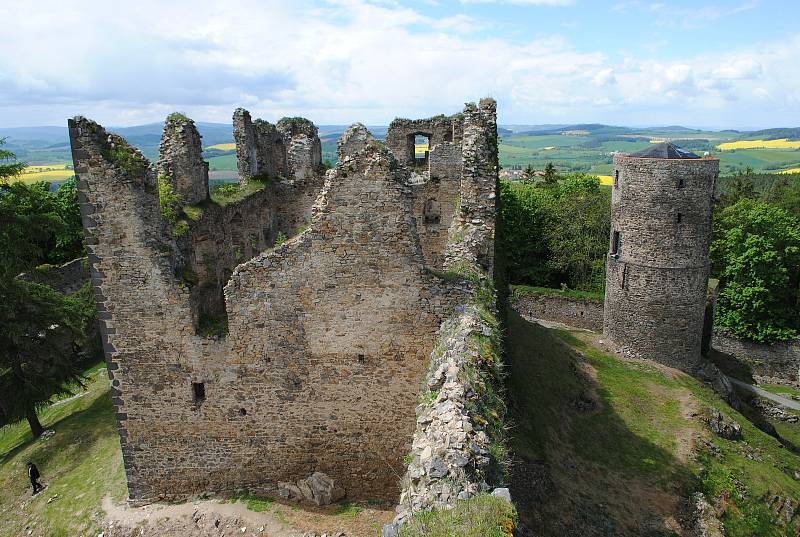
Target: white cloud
[
  {"x": 556, "y": 3},
  {"x": 352, "y": 60}
]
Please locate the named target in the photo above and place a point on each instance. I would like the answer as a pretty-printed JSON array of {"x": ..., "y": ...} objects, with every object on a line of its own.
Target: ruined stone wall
[
  {"x": 337, "y": 323},
  {"x": 436, "y": 200},
  {"x": 261, "y": 150},
  {"x": 145, "y": 318},
  {"x": 778, "y": 363},
  {"x": 656, "y": 283},
  {"x": 438, "y": 129},
  {"x": 304, "y": 149},
  {"x": 452, "y": 456},
  {"x": 572, "y": 311},
  {"x": 472, "y": 231},
  {"x": 181, "y": 159},
  {"x": 328, "y": 334},
  {"x": 355, "y": 138}
]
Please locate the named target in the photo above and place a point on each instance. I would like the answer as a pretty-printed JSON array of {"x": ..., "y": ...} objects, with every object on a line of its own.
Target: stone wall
[
  {"x": 67, "y": 278},
  {"x": 778, "y": 363},
  {"x": 225, "y": 236},
  {"x": 260, "y": 149},
  {"x": 355, "y": 138},
  {"x": 303, "y": 148},
  {"x": 328, "y": 337},
  {"x": 460, "y": 415},
  {"x": 656, "y": 281},
  {"x": 351, "y": 319},
  {"x": 572, "y": 311},
  {"x": 435, "y": 201},
  {"x": 402, "y": 132},
  {"x": 145, "y": 318},
  {"x": 181, "y": 159},
  {"x": 450, "y": 457},
  {"x": 471, "y": 235}
]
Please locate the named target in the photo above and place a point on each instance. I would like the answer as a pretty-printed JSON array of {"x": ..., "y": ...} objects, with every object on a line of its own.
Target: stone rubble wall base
[{"x": 450, "y": 451}]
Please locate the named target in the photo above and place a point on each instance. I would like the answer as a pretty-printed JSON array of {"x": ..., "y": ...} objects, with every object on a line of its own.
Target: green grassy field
[
  {"x": 619, "y": 446},
  {"x": 80, "y": 464}
]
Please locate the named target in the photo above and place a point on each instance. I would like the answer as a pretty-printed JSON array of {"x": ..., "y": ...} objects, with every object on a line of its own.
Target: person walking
[{"x": 33, "y": 474}]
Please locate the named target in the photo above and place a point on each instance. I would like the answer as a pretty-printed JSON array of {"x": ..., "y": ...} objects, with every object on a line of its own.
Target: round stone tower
[{"x": 657, "y": 270}]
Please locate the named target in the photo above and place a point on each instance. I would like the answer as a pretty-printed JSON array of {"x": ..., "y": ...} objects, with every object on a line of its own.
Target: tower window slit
[
  {"x": 199, "y": 392},
  {"x": 615, "y": 243}
]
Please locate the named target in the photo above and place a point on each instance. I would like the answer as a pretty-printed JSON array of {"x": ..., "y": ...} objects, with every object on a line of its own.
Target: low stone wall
[
  {"x": 572, "y": 311},
  {"x": 775, "y": 364},
  {"x": 67, "y": 278}
]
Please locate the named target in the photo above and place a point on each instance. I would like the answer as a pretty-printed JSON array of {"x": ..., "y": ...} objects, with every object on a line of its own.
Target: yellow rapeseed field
[
  {"x": 223, "y": 147},
  {"x": 604, "y": 179},
  {"x": 790, "y": 170},
  {"x": 50, "y": 172},
  {"x": 420, "y": 149},
  {"x": 760, "y": 144}
]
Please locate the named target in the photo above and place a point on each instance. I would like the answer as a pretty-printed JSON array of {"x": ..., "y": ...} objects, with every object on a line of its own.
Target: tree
[
  {"x": 39, "y": 347},
  {"x": 9, "y": 167},
  {"x": 529, "y": 173},
  {"x": 42, "y": 330},
  {"x": 550, "y": 174},
  {"x": 741, "y": 188},
  {"x": 785, "y": 193},
  {"x": 578, "y": 231},
  {"x": 756, "y": 253},
  {"x": 557, "y": 234}
]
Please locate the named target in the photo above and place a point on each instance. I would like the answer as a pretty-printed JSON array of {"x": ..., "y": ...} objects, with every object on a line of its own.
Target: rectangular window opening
[
  {"x": 199, "y": 392},
  {"x": 681, "y": 183},
  {"x": 615, "y": 243},
  {"x": 679, "y": 218},
  {"x": 616, "y": 178}
]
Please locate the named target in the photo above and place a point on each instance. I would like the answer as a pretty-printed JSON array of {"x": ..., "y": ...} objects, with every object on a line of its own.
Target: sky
[{"x": 700, "y": 63}]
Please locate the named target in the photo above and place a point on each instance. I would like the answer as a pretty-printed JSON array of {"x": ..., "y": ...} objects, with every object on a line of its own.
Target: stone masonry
[
  {"x": 402, "y": 132},
  {"x": 181, "y": 159},
  {"x": 328, "y": 336},
  {"x": 657, "y": 266},
  {"x": 289, "y": 149}
]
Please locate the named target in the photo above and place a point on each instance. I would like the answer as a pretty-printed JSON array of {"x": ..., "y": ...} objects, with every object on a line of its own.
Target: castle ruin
[
  {"x": 657, "y": 265},
  {"x": 325, "y": 338}
]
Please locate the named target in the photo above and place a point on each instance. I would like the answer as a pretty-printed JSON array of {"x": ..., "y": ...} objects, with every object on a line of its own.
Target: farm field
[
  {"x": 223, "y": 147},
  {"x": 52, "y": 172},
  {"x": 760, "y": 144}
]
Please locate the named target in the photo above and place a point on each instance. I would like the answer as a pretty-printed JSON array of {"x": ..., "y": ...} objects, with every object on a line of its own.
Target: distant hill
[{"x": 792, "y": 133}]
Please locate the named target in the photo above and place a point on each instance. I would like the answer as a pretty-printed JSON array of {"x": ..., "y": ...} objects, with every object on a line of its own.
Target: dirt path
[
  {"x": 212, "y": 518},
  {"x": 198, "y": 518}
]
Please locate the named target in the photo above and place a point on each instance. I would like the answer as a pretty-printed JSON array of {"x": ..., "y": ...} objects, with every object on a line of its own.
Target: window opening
[
  {"x": 421, "y": 149},
  {"x": 199, "y": 391},
  {"x": 616, "y": 178},
  {"x": 615, "y": 243}
]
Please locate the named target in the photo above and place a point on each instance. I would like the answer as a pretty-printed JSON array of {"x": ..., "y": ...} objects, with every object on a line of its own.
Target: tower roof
[{"x": 664, "y": 150}]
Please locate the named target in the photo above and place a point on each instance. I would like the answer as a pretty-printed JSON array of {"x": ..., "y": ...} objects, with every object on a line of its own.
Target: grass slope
[
  {"x": 615, "y": 447},
  {"x": 80, "y": 464}
]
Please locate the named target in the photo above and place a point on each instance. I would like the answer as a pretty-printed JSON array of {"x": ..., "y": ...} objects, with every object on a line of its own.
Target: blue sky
[{"x": 707, "y": 63}]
